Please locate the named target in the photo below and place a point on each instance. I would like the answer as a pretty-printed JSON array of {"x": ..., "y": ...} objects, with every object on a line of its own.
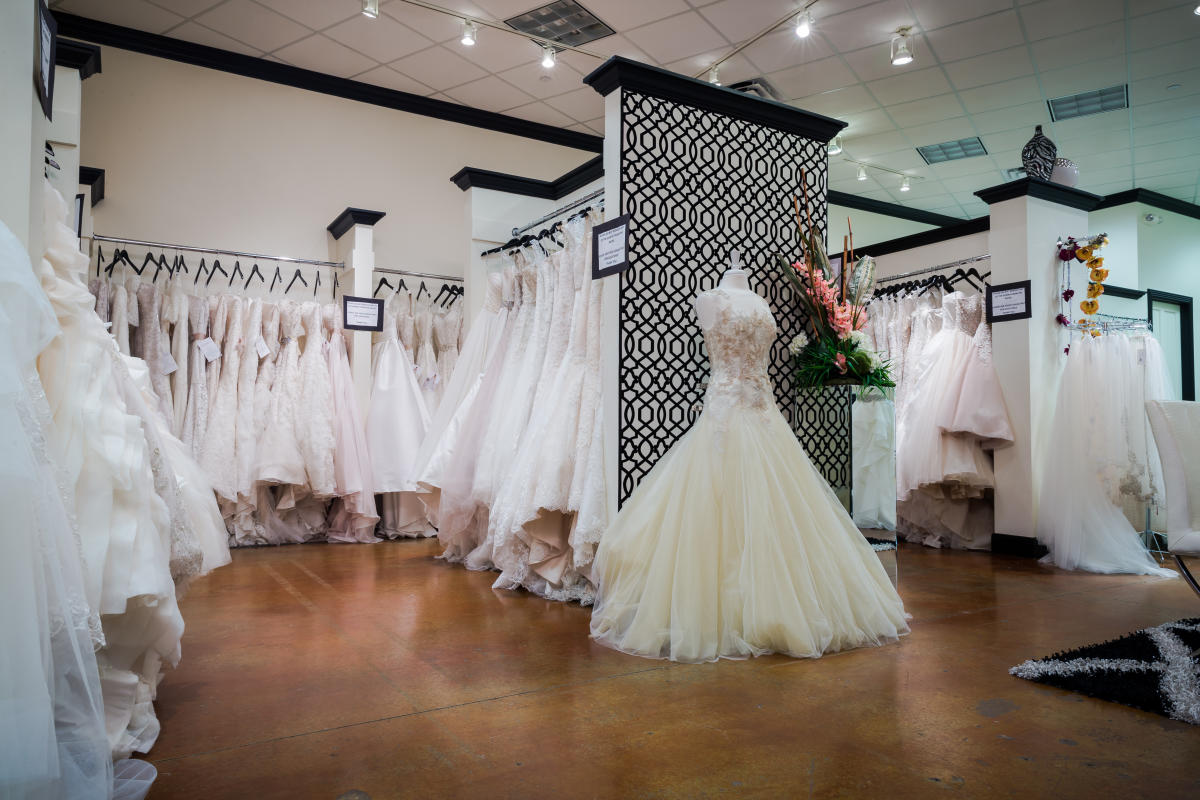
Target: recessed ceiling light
[
  {"x": 804, "y": 24},
  {"x": 862, "y": 173},
  {"x": 371, "y": 8},
  {"x": 952, "y": 151},
  {"x": 902, "y": 53},
  {"x": 1086, "y": 103},
  {"x": 549, "y": 57},
  {"x": 904, "y": 184},
  {"x": 835, "y": 146},
  {"x": 470, "y": 31}
]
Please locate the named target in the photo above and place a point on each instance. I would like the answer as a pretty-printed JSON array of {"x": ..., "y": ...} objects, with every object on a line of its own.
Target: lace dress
[
  {"x": 447, "y": 329},
  {"x": 176, "y": 312},
  {"x": 195, "y": 416},
  {"x": 426, "y": 359},
  {"x": 278, "y": 459},
  {"x": 220, "y": 440},
  {"x": 353, "y": 517},
  {"x": 734, "y": 545},
  {"x": 314, "y": 414}
]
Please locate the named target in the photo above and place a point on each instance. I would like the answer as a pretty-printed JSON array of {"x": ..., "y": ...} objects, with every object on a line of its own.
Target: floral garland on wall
[{"x": 1086, "y": 252}]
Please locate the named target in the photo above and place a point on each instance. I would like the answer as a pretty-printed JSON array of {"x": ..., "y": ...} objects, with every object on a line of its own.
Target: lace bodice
[
  {"x": 962, "y": 311},
  {"x": 446, "y": 326},
  {"x": 738, "y": 340},
  {"x": 494, "y": 298}
]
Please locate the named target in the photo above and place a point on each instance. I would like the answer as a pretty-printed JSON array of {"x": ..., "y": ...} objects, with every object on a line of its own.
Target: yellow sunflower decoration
[
  {"x": 1098, "y": 275},
  {"x": 1094, "y": 290},
  {"x": 1089, "y": 307}
]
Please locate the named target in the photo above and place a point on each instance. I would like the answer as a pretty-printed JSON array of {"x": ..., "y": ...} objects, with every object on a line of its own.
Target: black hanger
[
  {"x": 181, "y": 264},
  {"x": 99, "y": 259},
  {"x": 237, "y": 272},
  {"x": 422, "y": 289},
  {"x": 276, "y": 277},
  {"x": 203, "y": 268},
  {"x": 145, "y": 262},
  {"x": 335, "y": 284},
  {"x": 317, "y": 283},
  {"x": 293, "y": 281},
  {"x": 216, "y": 267},
  {"x": 254, "y": 271},
  {"x": 382, "y": 283},
  {"x": 162, "y": 264},
  {"x": 445, "y": 288}
]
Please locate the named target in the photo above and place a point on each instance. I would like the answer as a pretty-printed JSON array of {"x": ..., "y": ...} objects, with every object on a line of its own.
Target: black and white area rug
[{"x": 1153, "y": 670}]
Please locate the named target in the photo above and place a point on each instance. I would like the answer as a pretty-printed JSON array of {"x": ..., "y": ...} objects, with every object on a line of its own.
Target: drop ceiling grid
[{"x": 1153, "y": 43}]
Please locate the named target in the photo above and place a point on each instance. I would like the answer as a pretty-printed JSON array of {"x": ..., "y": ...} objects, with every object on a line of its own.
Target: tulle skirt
[{"x": 734, "y": 546}]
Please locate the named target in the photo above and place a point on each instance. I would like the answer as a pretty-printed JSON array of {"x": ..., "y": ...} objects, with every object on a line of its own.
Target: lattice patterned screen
[{"x": 696, "y": 185}]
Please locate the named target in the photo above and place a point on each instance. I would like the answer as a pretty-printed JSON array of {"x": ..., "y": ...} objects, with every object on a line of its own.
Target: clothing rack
[
  {"x": 938, "y": 268},
  {"x": 237, "y": 253},
  {"x": 558, "y": 212},
  {"x": 429, "y": 275}
]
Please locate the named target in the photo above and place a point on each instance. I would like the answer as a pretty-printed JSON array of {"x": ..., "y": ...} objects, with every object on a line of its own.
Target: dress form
[{"x": 736, "y": 278}]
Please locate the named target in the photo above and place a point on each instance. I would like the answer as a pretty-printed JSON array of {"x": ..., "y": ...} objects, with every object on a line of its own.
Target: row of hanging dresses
[
  {"x": 522, "y": 487},
  {"x": 1101, "y": 467},
  {"x": 267, "y": 413},
  {"x": 151, "y": 522},
  {"x": 950, "y": 414}
]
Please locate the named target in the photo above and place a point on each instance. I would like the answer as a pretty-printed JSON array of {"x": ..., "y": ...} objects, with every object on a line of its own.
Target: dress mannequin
[{"x": 736, "y": 278}]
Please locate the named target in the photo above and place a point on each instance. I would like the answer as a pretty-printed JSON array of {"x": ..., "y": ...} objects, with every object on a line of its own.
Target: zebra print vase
[{"x": 1038, "y": 156}]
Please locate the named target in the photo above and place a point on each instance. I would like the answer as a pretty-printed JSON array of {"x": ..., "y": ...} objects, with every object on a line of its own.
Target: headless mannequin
[{"x": 736, "y": 279}]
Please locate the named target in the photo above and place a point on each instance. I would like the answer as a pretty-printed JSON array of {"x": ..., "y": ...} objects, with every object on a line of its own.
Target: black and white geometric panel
[
  {"x": 824, "y": 424},
  {"x": 697, "y": 185}
]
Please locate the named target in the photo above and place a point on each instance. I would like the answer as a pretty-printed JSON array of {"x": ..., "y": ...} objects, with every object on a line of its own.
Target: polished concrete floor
[{"x": 313, "y": 670}]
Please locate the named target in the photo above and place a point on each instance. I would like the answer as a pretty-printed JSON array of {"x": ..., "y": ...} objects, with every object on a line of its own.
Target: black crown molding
[
  {"x": 1121, "y": 291},
  {"x": 77, "y": 55},
  {"x": 248, "y": 66},
  {"x": 1150, "y": 198},
  {"x": 890, "y": 209},
  {"x": 628, "y": 74},
  {"x": 1042, "y": 190},
  {"x": 473, "y": 177},
  {"x": 961, "y": 228},
  {"x": 93, "y": 177},
  {"x": 351, "y": 217}
]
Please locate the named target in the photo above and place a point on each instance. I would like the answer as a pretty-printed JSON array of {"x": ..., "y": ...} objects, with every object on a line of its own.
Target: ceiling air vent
[
  {"x": 563, "y": 21},
  {"x": 952, "y": 151},
  {"x": 1015, "y": 173},
  {"x": 759, "y": 87},
  {"x": 1087, "y": 103}
]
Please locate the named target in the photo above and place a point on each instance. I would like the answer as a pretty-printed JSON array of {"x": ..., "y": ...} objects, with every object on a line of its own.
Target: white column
[
  {"x": 1027, "y": 353},
  {"x": 356, "y": 248},
  {"x": 63, "y": 132},
  {"x": 611, "y": 375},
  {"x": 22, "y": 128}
]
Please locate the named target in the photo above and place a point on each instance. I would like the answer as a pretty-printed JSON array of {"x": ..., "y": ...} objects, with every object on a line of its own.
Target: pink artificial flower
[
  {"x": 840, "y": 361},
  {"x": 1067, "y": 350},
  {"x": 1061, "y": 319},
  {"x": 1068, "y": 294}
]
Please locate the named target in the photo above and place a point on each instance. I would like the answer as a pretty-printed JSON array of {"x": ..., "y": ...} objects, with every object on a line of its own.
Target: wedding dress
[
  {"x": 425, "y": 359},
  {"x": 447, "y": 330},
  {"x": 354, "y": 517},
  {"x": 219, "y": 456},
  {"x": 314, "y": 414},
  {"x": 1093, "y": 455},
  {"x": 195, "y": 416},
  {"x": 734, "y": 545}
]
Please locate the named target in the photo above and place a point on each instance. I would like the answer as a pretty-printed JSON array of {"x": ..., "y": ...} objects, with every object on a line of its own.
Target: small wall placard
[
  {"x": 610, "y": 247},
  {"x": 44, "y": 47},
  {"x": 362, "y": 313},
  {"x": 1009, "y": 301}
]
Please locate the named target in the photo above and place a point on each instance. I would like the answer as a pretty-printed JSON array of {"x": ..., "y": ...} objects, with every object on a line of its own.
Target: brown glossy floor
[{"x": 312, "y": 670}]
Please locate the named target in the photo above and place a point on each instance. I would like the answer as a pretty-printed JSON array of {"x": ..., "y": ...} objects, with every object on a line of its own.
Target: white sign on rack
[
  {"x": 1009, "y": 301},
  {"x": 362, "y": 313},
  {"x": 610, "y": 247}
]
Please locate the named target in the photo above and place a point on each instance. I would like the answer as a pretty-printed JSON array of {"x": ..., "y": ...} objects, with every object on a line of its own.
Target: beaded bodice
[{"x": 739, "y": 340}]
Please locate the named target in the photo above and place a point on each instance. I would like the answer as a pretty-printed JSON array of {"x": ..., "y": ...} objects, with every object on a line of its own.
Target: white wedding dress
[{"x": 734, "y": 545}]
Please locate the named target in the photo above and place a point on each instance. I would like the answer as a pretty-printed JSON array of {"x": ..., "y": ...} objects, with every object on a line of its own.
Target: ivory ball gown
[{"x": 734, "y": 545}]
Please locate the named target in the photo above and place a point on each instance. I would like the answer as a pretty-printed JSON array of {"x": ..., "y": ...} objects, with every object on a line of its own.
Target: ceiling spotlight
[
  {"x": 1196, "y": 11},
  {"x": 469, "y": 31},
  {"x": 371, "y": 8},
  {"x": 902, "y": 47},
  {"x": 862, "y": 173},
  {"x": 904, "y": 184},
  {"x": 549, "y": 57},
  {"x": 804, "y": 25},
  {"x": 835, "y": 146},
  {"x": 714, "y": 75}
]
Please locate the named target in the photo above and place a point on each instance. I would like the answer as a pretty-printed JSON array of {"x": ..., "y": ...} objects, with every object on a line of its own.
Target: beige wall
[
  {"x": 869, "y": 228},
  {"x": 202, "y": 157}
]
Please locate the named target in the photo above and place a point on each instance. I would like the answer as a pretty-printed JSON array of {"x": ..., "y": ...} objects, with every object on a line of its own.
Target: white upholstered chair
[{"x": 1176, "y": 427}]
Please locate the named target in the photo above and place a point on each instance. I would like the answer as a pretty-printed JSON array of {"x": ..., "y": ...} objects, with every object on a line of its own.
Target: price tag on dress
[{"x": 209, "y": 349}]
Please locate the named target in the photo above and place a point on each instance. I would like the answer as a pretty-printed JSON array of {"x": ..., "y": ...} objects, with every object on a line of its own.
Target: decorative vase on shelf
[
  {"x": 1065, "y": 172},
  {"x": 1038, "y": 156}
]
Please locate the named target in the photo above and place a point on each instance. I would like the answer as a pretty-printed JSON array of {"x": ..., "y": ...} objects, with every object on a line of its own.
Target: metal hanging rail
[
  {"x": 938, "y": 268},
  {"x": 239, "y": 254},
  {"x": 558, "y": 212},
  {"x": 411, "y": 274}
]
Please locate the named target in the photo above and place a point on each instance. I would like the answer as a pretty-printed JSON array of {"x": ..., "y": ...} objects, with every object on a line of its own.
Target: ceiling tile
[
  {"x": 947, "y": 130},
  {"x": 964, "y": 166},
  {"x": 1008, "y": 141},
  {"x": 678, "y": 37},
  {"x": 1162, "y": 60},
  {"x": 540, "y": 112},
  {"x": 933, "y": 14},
  {"x": 865, "y": 146},
  {"x": 432, "y": 25},
  {"x": 382, "y": 39},
  {"x": 540, "y": 82},
  {"x": 1024, "y": 117},
  {"x": 390, "y": 79},
  {"x": 1001, "y": 65},
  {"x": 184, "y": 8},
  {"x": 1099, "y": 176},
  {"x": 809, "y": 79},
  {"x": 908, "y": 86},
  {"x": 1073, "y": 47},
  {"x": 931, "y": 109},
  {"x": 192, "y": 32},
  {"x": 783, "y": 50},
  {"x": 968, "y": 39},
  {"x": 325, "y": 55},
  {"x": 739, "y": 19},
  {"x": 965, "y": 183},
  {"x": 867, "y": 123},
  {"x": 596, "y": 125},
  {"x": 735, "y": 69},
  {"x": 624, "y": 15},
  {"x": 863, "y": 27},
  {"x": 505, "y": 9},
  {"x": 253, "y": 24},
  {"x": 315, "y": 14},
  {"x": 1089, "y": 125},
  {"x": 1166, "y": 132},
  {"x": 615, "y": 45},
  {"x": 1165, "y": 27},
  {"x": 579, "y": 126},
  {"x": 839, "y": 102},
  {"x": 1054, "y": 17},
  {"x": 496, "y": 51},
  {"x": 490, "y": 94},
  {"x": 1082, "y": 78},
  {"x": 871, "y": 63},
  {"x": 438, "y": 68},
  {"x": 1177, "y": 149},
  {"x": 1001, "y": 95},
  {"x": 130, "y": 13},
  {"x": 1169, "y": 166},
  {"x": 581, "y": 104},
  {"x": 1091, "y": 162},
  {"x": 1153, "y": 90}
]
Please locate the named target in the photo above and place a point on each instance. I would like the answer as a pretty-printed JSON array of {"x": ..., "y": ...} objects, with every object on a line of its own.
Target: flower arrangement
[
  {"x": 1087, "y": 253},
  {"x": 835, "y": 307}
]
